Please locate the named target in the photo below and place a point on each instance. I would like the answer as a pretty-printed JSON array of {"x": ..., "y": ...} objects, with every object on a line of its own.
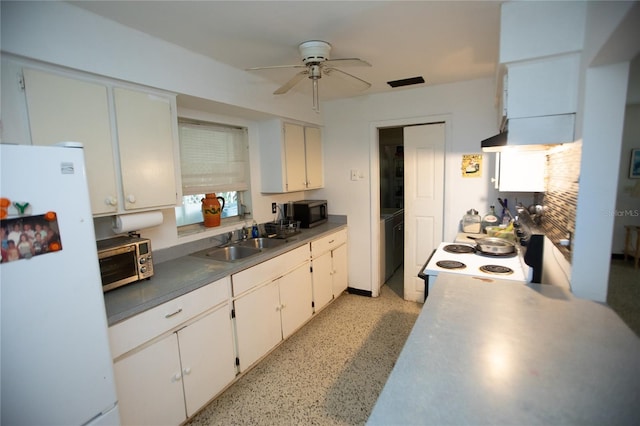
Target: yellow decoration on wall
[{"x": 471, "y": 165}]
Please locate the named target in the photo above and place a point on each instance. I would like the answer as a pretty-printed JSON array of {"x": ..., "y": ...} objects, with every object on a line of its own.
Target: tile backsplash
[{"x": 561, "y": 198}]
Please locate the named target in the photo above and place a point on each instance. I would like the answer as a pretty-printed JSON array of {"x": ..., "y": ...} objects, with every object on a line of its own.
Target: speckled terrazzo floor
[
  {"x": 329, "y": 373},
  {"x": 624, "y": 292}
]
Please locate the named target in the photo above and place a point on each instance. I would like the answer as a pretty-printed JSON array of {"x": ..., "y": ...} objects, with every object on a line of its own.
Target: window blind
[{"x": 213, "y": 158}]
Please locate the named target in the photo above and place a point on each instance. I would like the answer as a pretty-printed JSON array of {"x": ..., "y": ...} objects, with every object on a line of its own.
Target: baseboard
[{"x": 359, "y": 292}]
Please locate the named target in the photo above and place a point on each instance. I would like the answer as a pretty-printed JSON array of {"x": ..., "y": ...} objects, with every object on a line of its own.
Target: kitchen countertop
[
  {"x": 506, "y": 353},
  {"x": 174, "y": 278}
]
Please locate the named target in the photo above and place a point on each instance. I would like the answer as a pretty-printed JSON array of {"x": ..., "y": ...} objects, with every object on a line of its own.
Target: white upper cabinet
[
  {"x": 521, "y": 171},
  {"x": 146, "y": 147},
  {"x": 65, "y": 109},
  {"x": 313, "y": 157},
  {"x": 543, "y": 87},
  {"x": 291, "y": 157},
  {"x": 129, "y": 137},
  {"x": 540, "y": 53}
]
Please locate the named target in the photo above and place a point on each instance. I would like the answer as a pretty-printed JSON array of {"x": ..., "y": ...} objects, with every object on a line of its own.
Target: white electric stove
[{"x": 464, "y": 259}]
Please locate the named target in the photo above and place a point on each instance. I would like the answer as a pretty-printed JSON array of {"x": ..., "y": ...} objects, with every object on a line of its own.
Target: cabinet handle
[
  {"x": 111, "y": 201},
  {"x": 277, "y": 308},
  {"x": 186, "y": 371},
  {"x": 131, "y": 198},
  {"x": 173, "y": 313},
  {"x": 176, "y": 378},
  {"x": 283, "y": 306},
  {"x": 331, "y": 241}
]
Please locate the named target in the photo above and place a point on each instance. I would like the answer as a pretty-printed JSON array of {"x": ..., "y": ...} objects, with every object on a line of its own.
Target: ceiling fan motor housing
[{"x": 314, "y": 51}]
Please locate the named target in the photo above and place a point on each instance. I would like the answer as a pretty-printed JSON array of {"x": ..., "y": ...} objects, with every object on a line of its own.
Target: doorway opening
[{"x": 391, "y": 157}]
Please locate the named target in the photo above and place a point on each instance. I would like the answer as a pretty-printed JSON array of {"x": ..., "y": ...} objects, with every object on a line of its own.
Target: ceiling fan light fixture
[
  {"x": 406, "y": 81},
  {"x": 316, "y": 63}
]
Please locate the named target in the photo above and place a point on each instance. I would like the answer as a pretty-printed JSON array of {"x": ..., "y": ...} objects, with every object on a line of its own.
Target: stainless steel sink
[
  {"x": 231, "y": 253},
  {"x": 240, "y": 250},
  {"x": 261, "y": 243}
]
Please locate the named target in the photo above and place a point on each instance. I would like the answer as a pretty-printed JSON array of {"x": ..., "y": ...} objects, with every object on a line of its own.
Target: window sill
[{"x": 198, "y": 230}]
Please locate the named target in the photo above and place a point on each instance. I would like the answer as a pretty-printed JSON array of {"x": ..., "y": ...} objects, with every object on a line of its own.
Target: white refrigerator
[{"x": 56, "y": 366}]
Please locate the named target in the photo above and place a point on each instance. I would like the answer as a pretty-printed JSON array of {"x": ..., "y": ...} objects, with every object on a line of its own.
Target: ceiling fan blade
[
  {"x": 347, "y": 62},
  {"x": 275, "y": 67},
  {"x": 351, "y": 78},
  {"x": 289, "y": 84}
]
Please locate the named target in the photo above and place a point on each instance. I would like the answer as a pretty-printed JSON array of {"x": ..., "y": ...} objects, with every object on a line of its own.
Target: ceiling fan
[{"x": 316, "y": 63}]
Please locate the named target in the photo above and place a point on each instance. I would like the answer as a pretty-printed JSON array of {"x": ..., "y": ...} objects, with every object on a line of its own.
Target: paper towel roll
[{"x": 136, "y": 221}]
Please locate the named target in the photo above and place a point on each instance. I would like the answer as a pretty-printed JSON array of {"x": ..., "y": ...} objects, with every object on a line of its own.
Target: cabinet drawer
[
  {"x": 135, "y": 331},
  {"x": 269, "y": 270},
  {"x": 324, "y": 244}
]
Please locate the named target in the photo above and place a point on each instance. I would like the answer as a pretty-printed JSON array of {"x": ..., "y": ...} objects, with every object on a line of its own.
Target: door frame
[{"x": 374, "y": 189}]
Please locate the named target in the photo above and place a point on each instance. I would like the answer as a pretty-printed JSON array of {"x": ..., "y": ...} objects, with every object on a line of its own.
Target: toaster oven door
[{"x": 118, "y": 267}]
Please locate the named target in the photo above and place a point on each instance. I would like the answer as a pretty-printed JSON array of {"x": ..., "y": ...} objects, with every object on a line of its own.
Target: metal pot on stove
[{"x": 495, "y": 246}]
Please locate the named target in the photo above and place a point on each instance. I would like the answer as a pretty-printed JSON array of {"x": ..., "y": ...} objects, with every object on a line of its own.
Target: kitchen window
[{"x": 214, "y": 158}]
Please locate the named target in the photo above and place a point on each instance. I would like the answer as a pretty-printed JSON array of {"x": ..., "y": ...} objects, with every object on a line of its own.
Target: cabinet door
[
  {"x": 149, "y": 386},
  {"x": 313, "y": 157},
  {"x": 522, "y": 171},
  {"x": 145, "y": 141},
  {"x": 295, "y": 299},
  {"x": 257, "y": 323},
  {"x": 340, "y": 269},
  {"x": 294, "y": 157},
  {"x": 322, "y": 281},
  {"x": 207, "y": 356},
  {"x": 66, "y": 109}
]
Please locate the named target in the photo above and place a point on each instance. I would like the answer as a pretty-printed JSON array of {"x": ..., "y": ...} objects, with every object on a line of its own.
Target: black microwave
[{"x": 310, "y": 213}]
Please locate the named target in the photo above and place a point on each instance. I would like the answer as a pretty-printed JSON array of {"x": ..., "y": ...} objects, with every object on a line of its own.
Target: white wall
[
  {"x": 351, "y": 143},
  {"x": 610, "y": 43}
]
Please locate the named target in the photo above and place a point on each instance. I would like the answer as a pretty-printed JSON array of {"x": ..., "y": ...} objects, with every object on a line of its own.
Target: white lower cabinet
[
  {"x": 207, "y": 358},
  {"x": 149, "y": 386},
  {"x": 169, "y": 361},
  {"x": 171, "y": 379},
  {"x": 339, "y": 276},
  {"x": 184, "y": 356},
  {"x": 329, "y": 260},
  {"x": 258, "y": 324},
  {"x": 275, "y": 307}
]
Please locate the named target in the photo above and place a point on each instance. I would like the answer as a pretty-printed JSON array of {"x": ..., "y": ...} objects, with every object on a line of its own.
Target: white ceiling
[{"x": 443, "y": 41}]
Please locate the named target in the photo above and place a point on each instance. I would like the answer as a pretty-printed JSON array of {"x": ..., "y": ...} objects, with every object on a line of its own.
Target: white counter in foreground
[{"x": 512, "y": 354}]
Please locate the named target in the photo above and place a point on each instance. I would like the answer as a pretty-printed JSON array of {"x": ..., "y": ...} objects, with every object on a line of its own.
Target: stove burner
[
  {"x": 496, "y": 269},
  {"x": 458, "y": 248},
  {"x": 451, "y": 264}
]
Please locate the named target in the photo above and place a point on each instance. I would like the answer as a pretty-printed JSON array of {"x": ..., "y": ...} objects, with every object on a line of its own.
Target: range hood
[{"x": 532, "y": 133}]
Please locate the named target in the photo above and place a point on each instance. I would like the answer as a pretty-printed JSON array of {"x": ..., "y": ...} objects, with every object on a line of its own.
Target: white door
[
  {"x": 149, "y": 385},
  {"x": 258, "y": 326},
  {"x": 313, "y": 157},
  {"x": 207, "y": 357},
  {"x": 424, "y": 201},
  {"x": 295, "y": 299},
  {"x": 322, "y": 282},
  {"x": 64, "y": 109},
  {"x": 145, "y": 141},
  {"x": 294, "y": 157}
]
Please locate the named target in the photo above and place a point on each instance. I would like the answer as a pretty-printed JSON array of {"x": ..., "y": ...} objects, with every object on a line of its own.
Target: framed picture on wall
[{"x": 634, "y": 168}]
